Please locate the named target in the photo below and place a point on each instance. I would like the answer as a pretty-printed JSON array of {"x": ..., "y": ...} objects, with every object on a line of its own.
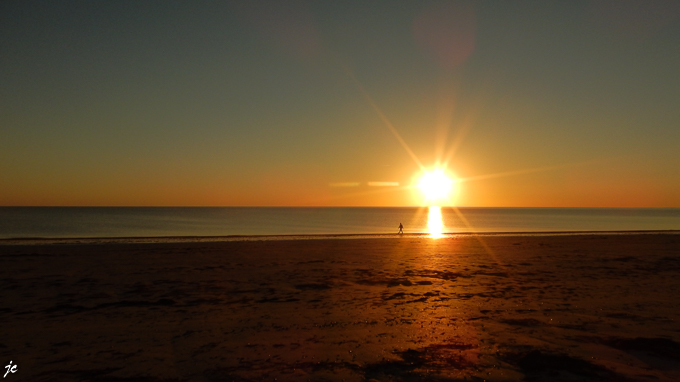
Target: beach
[{"x": 586, "y": 307}]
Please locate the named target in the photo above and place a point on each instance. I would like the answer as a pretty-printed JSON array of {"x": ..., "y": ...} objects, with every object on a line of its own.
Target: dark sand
[{"x": 496, "y": 308}]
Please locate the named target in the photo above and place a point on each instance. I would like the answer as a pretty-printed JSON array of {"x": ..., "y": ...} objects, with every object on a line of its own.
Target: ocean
[{"x": 111, "y": 222}]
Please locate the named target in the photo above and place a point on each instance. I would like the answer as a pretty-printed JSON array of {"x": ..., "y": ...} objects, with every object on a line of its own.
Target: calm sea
[{"x": 76, "y": 222}]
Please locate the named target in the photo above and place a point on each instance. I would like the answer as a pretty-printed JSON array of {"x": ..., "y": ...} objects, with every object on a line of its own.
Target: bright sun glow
[{"x": 436, "y": 185}]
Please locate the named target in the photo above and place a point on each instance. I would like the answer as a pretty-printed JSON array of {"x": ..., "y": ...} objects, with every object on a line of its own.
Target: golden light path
[{"x": 435, "y": 223}]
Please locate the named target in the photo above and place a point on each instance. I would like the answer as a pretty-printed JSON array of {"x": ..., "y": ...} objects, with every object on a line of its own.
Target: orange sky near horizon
[{"x": 318, "y": 104}]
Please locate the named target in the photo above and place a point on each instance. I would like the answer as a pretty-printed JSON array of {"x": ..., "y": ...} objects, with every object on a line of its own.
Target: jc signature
[{"x": 10, "y": 369}]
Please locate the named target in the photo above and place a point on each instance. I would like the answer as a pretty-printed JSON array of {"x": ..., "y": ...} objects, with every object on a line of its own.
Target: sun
[{"x": 436, "y": 185}]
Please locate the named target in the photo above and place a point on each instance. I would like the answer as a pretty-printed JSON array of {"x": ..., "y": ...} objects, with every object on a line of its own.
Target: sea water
[{"x": 84, "y": 222}]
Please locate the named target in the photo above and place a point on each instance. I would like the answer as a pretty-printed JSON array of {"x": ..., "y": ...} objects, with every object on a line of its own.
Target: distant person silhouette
[{"x": 401, "y": 229}]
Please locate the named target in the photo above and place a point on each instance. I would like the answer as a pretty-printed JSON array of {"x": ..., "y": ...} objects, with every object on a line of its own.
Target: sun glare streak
[
  {"x": 511, "y": 274},
  {"x": 466, "y": 124},
  {"x": 479, "y": 238},
  {"x": 435, "y": 224},
  {"x": 382, "y": 116},
  {"x": 460, "y": 137},
  {"x": 445, "y": 115},
  {"x": 531, "y": 170}
]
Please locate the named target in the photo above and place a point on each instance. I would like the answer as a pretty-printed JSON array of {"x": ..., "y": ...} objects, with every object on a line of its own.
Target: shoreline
[{"x": 349, "y": 236}]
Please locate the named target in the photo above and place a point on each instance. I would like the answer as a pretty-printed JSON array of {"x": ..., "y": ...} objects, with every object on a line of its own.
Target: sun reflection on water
[{"x": 435, "y": 224}]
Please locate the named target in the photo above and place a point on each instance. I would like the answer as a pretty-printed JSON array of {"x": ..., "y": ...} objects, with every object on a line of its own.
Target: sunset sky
[{"x": 339, "y": 103}]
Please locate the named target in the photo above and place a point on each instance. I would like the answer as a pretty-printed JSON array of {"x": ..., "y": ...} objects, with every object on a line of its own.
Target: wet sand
[{"x": 496, "y": 308}]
